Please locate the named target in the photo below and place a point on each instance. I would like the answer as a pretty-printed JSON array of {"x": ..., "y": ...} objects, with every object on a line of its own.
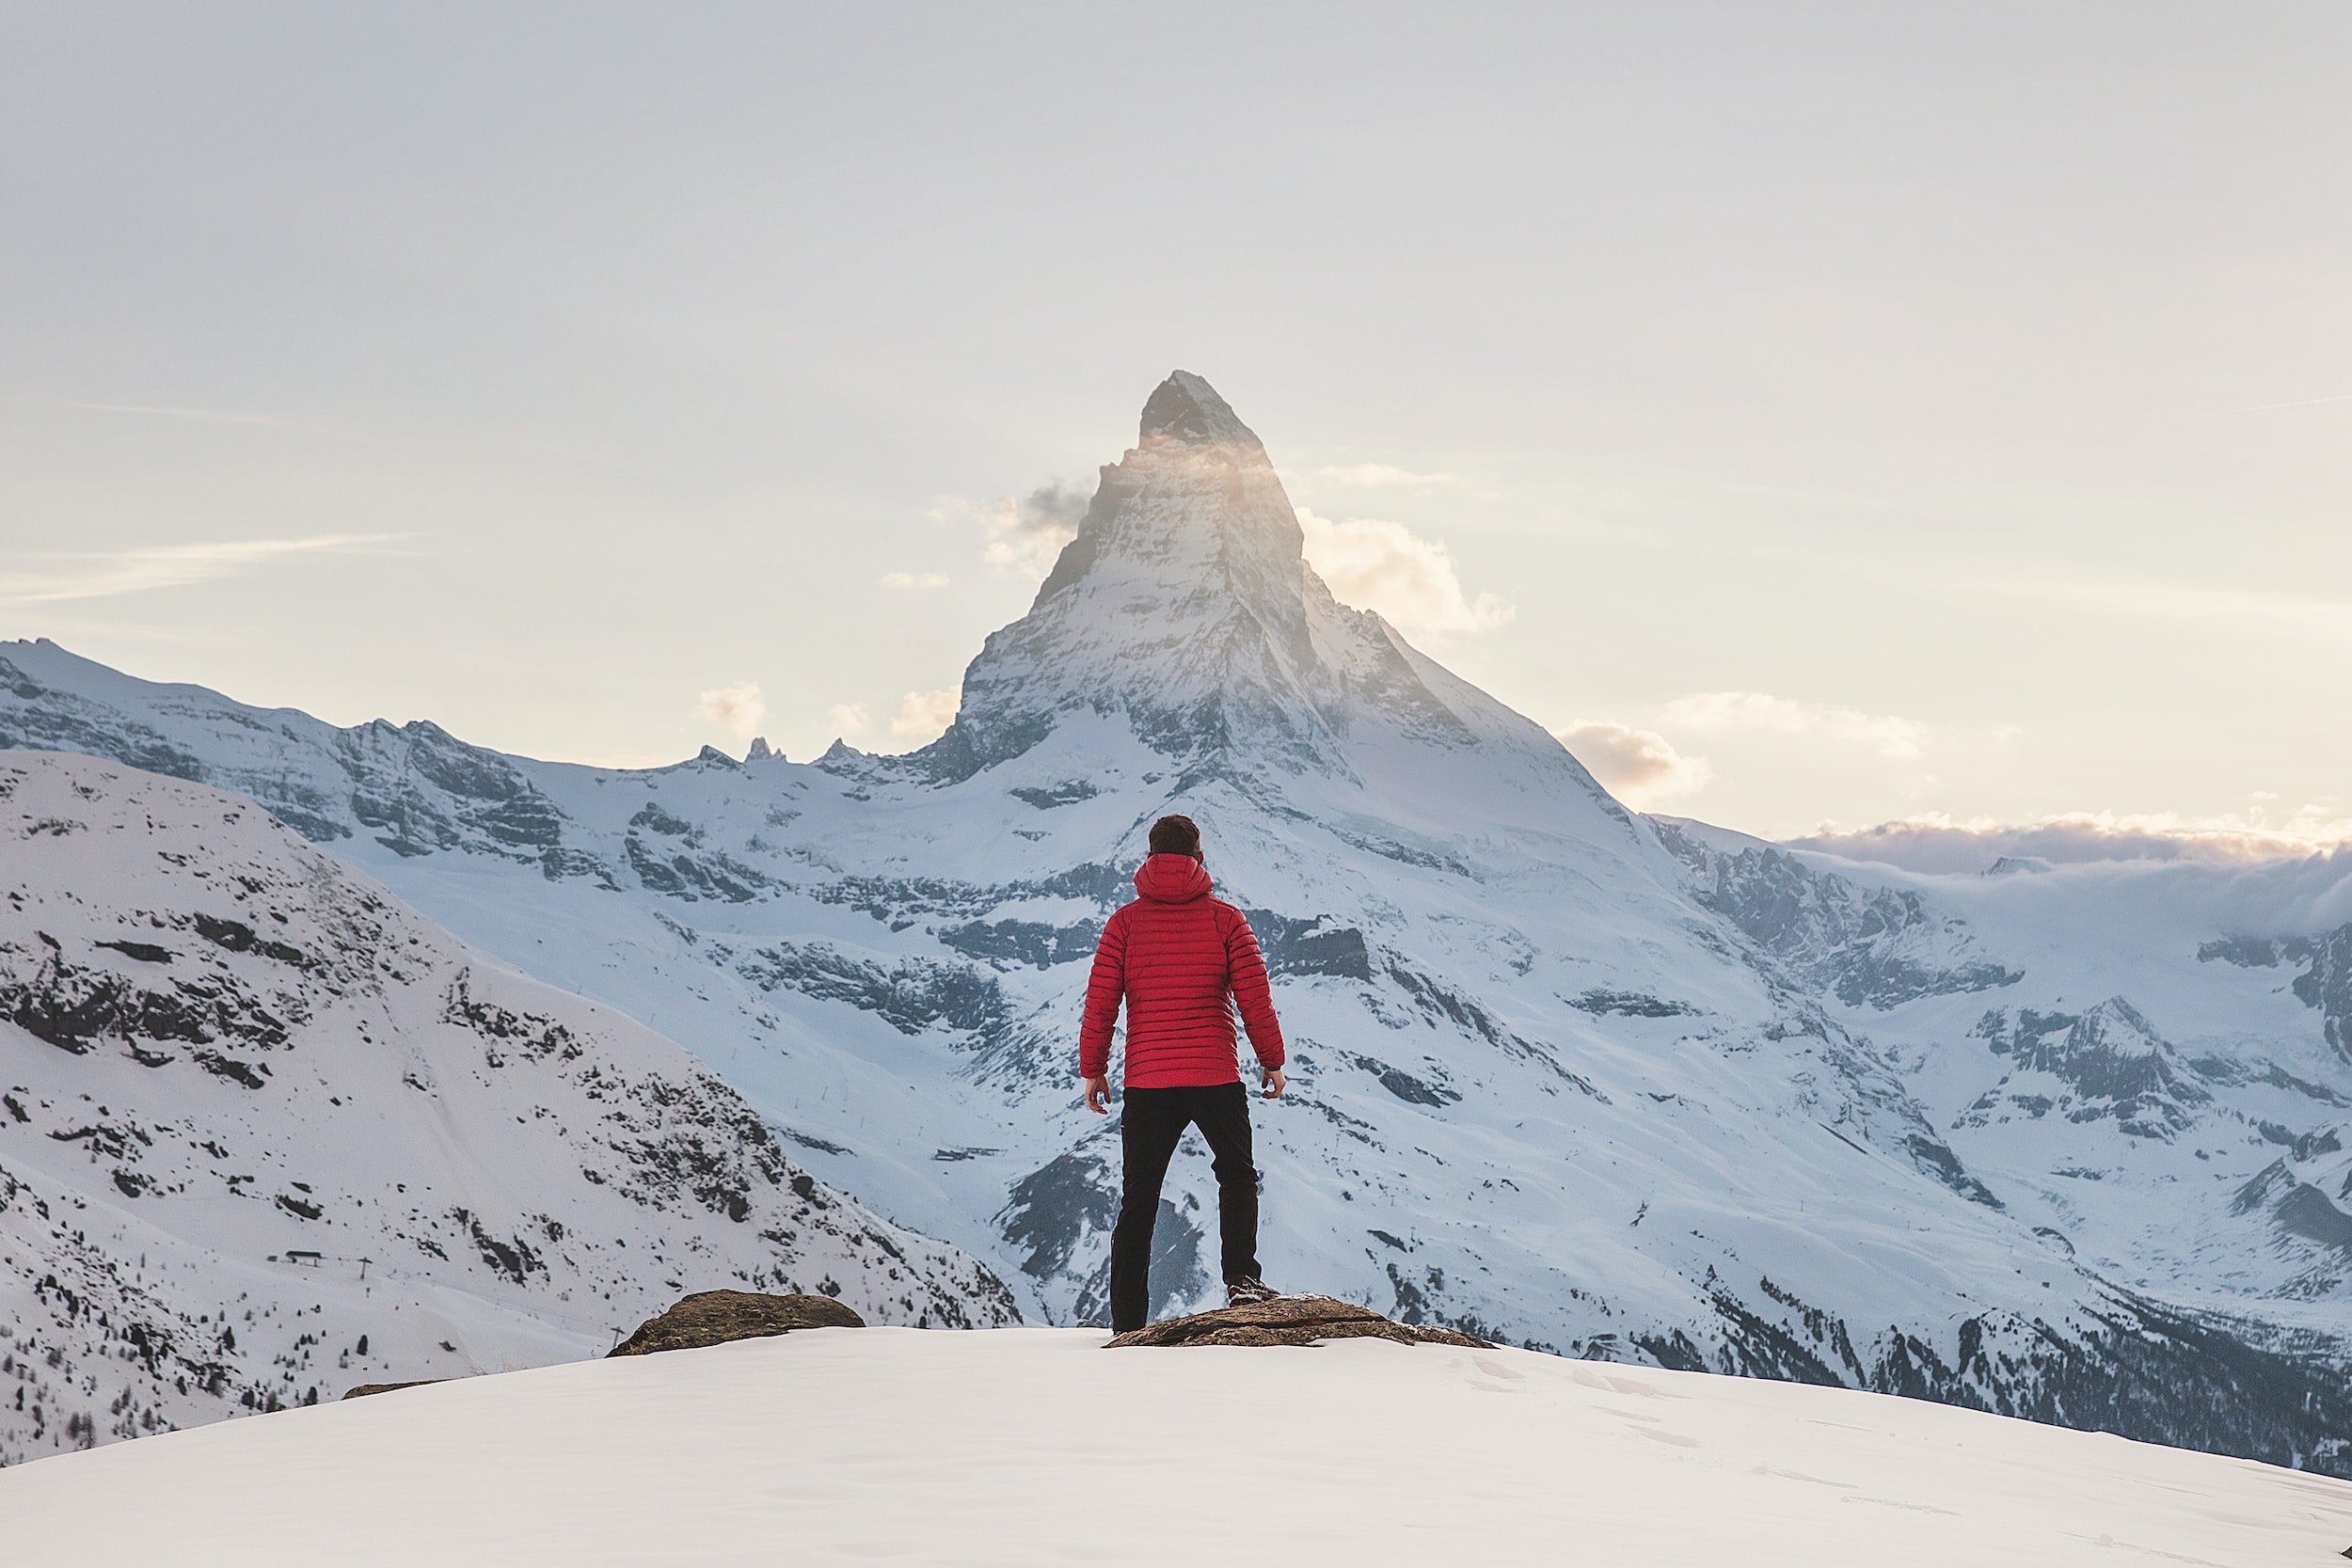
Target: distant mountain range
[{"x": 2068, "y": 1145}]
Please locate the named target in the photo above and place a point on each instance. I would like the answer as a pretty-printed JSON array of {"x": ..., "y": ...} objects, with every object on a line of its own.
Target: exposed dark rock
[
  {"x": 909, "y": 994},
  {"x": 1310, "y": 946},
  {"x": 1403, "y": 1084},
  {"x": 1051, "y": 1209},
  {"x": 2108, "y": 1063},
  {"x": 1025, "y": 941},
  {"x": 716, "y": 1317},
  {"x": 1878, "y": 948},
  {"x": 1060, "y": 795},
  {"x": 236, "y": 936},
  {"x": 1290, "y": 1321},
  {"x": 1630, "y": 1004},
  {"x": 361, "y": 1391}
]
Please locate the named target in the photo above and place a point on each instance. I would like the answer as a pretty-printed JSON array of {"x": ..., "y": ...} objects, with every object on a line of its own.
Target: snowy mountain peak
[
  {"x": 1193, "y": 506},
  {"x": 1184, "y": 612},
  {"x": 1186, "y": 410}
]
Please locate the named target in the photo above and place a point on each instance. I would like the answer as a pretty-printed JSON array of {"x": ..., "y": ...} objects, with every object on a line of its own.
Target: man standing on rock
[{"x": 1185, "y": 964}]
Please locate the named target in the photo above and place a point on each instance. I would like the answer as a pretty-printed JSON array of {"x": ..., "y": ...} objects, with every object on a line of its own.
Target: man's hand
[
  {"x": 1097, "y": 1094},
  {"x": 1275, "y": 1083}
]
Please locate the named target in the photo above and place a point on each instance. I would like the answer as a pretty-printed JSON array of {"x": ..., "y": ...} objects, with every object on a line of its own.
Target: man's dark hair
[{"x": 1175, "y": 836}]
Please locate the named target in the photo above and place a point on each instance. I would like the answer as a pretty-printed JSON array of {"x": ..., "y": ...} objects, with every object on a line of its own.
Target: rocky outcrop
[
  {"x": 715, "y": 1317},
  {"x": 1290, "y": 1321},
  {"x": 361, "y": 1390}
]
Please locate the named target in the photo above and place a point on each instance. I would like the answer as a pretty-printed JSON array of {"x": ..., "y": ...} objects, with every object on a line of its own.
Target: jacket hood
[{"x": 1172, "y": 880}]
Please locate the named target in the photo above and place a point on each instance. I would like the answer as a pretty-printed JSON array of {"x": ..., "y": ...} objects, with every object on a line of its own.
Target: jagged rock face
[
  {"x": 2107, "y": 1064},
  {"x": 1878, "y": 948},
  {"x": 1186, "y": 609},
  {"x": 265, "y": 1132},
  {"x": 2305, "y": 1197},
  {"x": 1560, "y": 1075}
]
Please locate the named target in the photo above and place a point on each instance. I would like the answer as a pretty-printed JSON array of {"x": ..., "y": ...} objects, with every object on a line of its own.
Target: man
[{"x": 1185, "y": 963}]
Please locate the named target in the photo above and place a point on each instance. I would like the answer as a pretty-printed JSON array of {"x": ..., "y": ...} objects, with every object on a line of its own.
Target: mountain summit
[
  {"x": 1184, "y": 408},
  {"x": 1184, "y": 612}
]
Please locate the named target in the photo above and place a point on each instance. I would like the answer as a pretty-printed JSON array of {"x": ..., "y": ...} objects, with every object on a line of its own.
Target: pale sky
[{"x": 1824, "y": 413}]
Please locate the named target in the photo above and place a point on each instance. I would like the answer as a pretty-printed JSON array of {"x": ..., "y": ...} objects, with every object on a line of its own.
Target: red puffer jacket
[{"x": 1186, "y": 963}]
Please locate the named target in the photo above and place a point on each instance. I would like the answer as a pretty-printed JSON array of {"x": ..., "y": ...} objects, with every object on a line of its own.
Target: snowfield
[
  {"x": 2070, "y": 1144},
  {"x": 1034, "y": 1446}
]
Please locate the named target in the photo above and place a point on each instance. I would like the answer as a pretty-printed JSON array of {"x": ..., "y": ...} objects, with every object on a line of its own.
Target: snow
[
  {"x": 266, "y": 1134},
  {"x": 1553, "y": 1077},
  {"x": 1036, "y": 1446}
]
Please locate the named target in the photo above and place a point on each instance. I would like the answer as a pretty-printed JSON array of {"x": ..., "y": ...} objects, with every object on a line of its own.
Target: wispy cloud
[
  {"x": 848, "y": 719},
  {"x": 1020, "y": 533},
  {"x": 2268, "y": 407},
  {"x": 1381, "y": 476},
  {"x": 1934, "y": 841},
  {"x": 2167, "y": 601},
  {"x": 56, "y": 577},
  {"x": 1638, "y": 767},
  {"x": 739, "y": 708},
  {"x": 905, "y": 582},
  {"x": 1896, "y": 738},
  {"x": 924, "y": 716},
  {"x": 164, "y": 411},
  {"x": 1409, "y": 580}
]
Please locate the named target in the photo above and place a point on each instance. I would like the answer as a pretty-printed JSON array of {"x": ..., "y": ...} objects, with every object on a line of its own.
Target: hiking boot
[{"x": 1240, "y": 1293}]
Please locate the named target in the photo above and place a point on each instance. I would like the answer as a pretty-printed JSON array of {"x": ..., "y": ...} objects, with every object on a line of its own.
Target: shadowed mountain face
[
  {"x": 266, "y": 1134},
  {"x": 1562, "y": 1075}
]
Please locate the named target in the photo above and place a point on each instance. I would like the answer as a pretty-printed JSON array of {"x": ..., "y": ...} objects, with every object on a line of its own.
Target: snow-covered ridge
[
  {"x": 1564, "y": 1075},
  {"x": 1028, "y": 1446},
  {"x": 265, "y": 1132}
]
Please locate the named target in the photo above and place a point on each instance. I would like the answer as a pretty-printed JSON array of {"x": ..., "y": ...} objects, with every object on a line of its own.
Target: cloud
[
  {"x": 848, "y": 719},
  {"x": 913, "y": 580},
  {"x": 164, "y": 411},
  {"x": 2268, "y": 407},
  {"x": 739, "y": 708},
  {"x": 1937, "y": 843},
  {"x": 1021, "y": 534},
  {"x": 2330, "y": 619},
  {"x": 1896, "y": 738},
  {"x": 1386, "y": 568},
  {"x": 1638, "y": 767},
  {"x": 924, "y": 715},
  {"x": 1382, "y": 476},
  {"x": 109, "y": 575}
]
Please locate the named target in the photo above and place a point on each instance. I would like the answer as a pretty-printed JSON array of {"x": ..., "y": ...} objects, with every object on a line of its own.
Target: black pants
[{"x": 1151, "y": 1123}]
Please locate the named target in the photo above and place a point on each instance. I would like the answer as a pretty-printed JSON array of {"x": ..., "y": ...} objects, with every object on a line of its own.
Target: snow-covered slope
[
  {"x": 1563, "y": 1075},
  {"x": 1029, "y": 1446},
  {"x": 2162, "y": 1074},
  {"x": 266, "y": 1134}
]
